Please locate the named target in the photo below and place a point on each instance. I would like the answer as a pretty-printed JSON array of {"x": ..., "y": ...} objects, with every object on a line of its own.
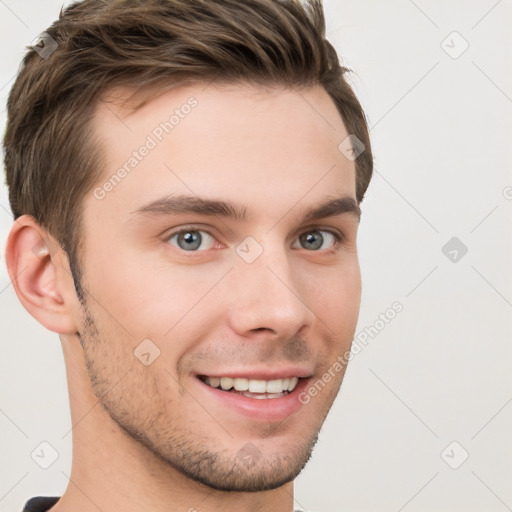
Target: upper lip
[{"x": 260, "y": 373}]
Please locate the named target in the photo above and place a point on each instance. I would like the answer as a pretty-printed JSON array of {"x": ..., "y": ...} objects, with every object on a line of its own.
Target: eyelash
[{"x": 338, "y": 238}]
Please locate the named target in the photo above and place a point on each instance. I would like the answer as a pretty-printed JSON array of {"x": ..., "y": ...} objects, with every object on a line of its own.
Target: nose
[{"x": 267, "y": 298}]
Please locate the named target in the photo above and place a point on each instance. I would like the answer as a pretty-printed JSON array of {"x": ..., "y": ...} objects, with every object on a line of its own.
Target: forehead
[{"x": 223, "y": 140}]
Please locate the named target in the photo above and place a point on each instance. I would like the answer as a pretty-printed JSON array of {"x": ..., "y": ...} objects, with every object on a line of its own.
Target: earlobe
[{"x": 35, "y": 264}]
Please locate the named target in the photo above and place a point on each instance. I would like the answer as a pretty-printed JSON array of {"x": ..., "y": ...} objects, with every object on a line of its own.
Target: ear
[{"x": 39, "y": 272}]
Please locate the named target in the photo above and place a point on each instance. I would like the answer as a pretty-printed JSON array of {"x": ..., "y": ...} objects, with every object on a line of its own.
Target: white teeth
[
  {"x": 226, "y": 383},
  {"x": 241, "y": 384},
  {"x": 258, "y": 397},
  {"x": 269, "y": 387},
  {"x": 275, "y": 395},
  {"x": 275, "y": 386},
  {"x": 292, "y": 383},
  {"x": 213, "y": 381},
  {"x": 262, "y": 396},
  {"x": 257, "y": 386}
]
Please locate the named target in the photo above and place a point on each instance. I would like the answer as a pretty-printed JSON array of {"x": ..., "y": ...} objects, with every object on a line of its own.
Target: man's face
[{"x": 179, "y": 301}]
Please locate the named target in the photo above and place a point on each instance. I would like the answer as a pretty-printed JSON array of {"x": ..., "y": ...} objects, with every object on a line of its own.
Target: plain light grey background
[{"x": 423, "y": 419}]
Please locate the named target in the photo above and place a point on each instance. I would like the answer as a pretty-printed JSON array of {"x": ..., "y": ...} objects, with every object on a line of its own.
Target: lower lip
[{"x": 264, "y": 409}]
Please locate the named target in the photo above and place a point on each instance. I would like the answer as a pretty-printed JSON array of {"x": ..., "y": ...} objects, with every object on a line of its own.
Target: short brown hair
[{"x": 50, "y": 160}]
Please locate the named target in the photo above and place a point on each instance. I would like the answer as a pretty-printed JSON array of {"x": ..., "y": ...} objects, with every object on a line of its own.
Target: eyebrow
[{"x": 175, "y": 205}]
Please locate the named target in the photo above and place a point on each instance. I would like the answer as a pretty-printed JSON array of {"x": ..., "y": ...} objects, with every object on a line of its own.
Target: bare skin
[{"x": 156, "y": 437}]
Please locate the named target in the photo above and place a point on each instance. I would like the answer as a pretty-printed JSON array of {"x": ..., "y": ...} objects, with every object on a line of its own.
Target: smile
[{"x": 253, "y": 388}]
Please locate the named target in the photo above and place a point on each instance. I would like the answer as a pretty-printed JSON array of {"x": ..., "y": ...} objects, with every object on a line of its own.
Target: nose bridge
[{"x": 267, "y": 291}]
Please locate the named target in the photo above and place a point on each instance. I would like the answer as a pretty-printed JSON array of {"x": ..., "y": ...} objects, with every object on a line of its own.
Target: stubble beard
[{"x": 178, "y": 446}]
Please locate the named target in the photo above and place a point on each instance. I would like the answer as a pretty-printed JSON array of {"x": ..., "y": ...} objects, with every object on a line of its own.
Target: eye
[
  {"x": 192, "y": 240},
  {"x": 315, "y": 240}
]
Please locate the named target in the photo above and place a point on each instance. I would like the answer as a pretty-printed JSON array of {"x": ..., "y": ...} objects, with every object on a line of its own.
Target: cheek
[
  {"x": 334, "y": 295},
  {"x": 148, "y": 299},
  {"x": 135, "y": 285}
]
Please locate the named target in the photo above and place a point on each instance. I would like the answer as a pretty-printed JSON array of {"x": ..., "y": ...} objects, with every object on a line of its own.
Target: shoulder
[{"x": 40, "y": 503}]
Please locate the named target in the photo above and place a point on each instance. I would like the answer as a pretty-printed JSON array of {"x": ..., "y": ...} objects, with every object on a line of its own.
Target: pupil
[
  {"x": 314, "y": 239},
  {"x": 192, "y": 240}
]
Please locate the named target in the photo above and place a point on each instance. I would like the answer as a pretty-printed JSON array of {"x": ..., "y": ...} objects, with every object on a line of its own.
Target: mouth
[
  {"x": 253, "y": 388},
  {"x": 257, "y": 395}
]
